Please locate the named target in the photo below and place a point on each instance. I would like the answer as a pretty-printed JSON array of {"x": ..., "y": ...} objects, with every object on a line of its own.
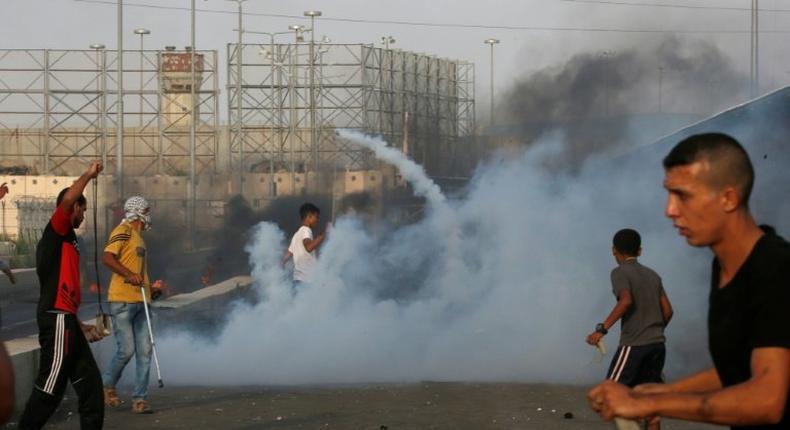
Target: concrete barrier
[{"x": 187, "y": 308}]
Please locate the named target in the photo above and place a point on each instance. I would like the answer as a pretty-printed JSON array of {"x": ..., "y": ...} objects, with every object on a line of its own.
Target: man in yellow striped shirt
[{"x": 125, "y": 256}]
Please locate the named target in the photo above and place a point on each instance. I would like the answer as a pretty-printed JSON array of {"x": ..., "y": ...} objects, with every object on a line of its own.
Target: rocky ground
[{"x": 429, "y": 405}]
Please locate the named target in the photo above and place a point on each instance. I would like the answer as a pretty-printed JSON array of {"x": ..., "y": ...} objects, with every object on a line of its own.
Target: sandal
[
  {"x": 111, "y": 398},
  {"x": 141, "y": 407}
]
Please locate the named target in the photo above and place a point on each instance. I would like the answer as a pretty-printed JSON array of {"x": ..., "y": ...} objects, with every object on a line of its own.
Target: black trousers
[{"x": 65, "y": 357}]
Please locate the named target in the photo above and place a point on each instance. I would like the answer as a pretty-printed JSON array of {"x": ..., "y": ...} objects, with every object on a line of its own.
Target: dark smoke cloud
[{"x": 596, "y": 99}]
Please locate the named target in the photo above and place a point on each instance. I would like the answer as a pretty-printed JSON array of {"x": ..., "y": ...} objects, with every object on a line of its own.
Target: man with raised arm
[{"x": 65, "y": 355}]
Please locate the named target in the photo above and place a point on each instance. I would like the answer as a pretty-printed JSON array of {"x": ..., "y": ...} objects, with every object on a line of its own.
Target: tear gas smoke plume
[
  {"x": 525, "y": 281},
  {"x": 502, "y": 284}
]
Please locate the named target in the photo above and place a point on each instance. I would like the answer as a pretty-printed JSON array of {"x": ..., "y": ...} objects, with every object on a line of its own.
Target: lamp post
[
  {"x": 491, "y": 43},
  {"x": 142, "y": 32},
  {"x": 192, "y": 131},
  {"x": 100, "y": 82},
  {"x": 298, "y": 32},
  {"x": 313, "y": 123},
  {"x": 274, "y": 61},
  {"x": 293, "y": 83},
  {"x": 239, "y": 115},
  {"x": 754, "y": 66},
  {"x": 387, "y": 41},
  {"x": 119, "y": 108}
]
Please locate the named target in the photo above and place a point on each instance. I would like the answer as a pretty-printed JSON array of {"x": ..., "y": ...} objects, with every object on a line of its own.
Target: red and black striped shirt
[{"x": 58, "y": 266}]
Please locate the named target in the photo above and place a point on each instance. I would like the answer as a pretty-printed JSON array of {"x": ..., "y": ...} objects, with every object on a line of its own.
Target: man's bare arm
[
  {"x": 110, "y": 260},
  {"x": 624, "y": 302},
  {"x": 76, "y": 189},
  {"x": 311, "y": 245},
  {"x": 760, "y": 400},
  {"x": 702, "y": 382},
  {"x": 666, "y": 308}
]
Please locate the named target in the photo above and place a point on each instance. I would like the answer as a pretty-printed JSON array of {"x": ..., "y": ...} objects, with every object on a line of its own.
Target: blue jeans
[{"x": 131, "y": 336}]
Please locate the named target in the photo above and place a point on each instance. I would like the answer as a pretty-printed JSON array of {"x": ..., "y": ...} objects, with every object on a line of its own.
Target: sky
[{"x": 75, "y": 24}]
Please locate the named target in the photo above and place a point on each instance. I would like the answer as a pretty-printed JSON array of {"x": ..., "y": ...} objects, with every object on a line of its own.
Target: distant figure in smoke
[
  {"x": 125, "y": 256},
  {"x": 709, "y": 178},
  {"x": 644, "y": 308},
  {"x": 65, "y": 355},
  {"x": 303, "y": 245}
]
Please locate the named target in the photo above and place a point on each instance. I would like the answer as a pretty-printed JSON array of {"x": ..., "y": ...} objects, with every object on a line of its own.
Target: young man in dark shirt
[
  {"x": 709, "y": 178},
  {"x": 644, "y": 309},
  {"x": 64, "y": 355}
]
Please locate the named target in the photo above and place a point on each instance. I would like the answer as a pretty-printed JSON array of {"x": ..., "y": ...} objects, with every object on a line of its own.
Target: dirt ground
[{"x": 429, "y": 405}]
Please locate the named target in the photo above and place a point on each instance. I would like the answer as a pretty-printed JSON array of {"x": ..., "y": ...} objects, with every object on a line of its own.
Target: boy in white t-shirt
[{"x": 303, "y": 245}]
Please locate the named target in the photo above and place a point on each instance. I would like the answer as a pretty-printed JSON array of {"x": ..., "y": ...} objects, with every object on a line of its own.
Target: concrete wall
[{"x": 168, "y": 194}]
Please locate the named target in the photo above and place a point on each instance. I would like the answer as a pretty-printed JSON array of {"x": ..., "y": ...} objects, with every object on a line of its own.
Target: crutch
[{"x": 141, "y": 254}]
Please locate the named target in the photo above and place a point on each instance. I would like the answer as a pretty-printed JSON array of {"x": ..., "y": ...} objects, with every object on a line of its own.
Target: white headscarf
[{"x": 137, "y": 208}]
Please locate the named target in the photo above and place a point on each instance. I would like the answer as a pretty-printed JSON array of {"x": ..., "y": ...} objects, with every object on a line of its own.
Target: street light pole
[
  {"x": 100, "y": 98},
  {"x": 754, "y": 66},
  {"x": 491, "y": 43},
  {"x": 386, "y": 41},
  {"x": 192, "y": 126},
  {"x": 119, "y": 108},
  {"x": 239, "y": 115},
  {"x": 142, "y": 32},
  {"x": 293, "y": 83},
  {"x": 313, "y": 123},
  {"x": 275, "y": 100}
]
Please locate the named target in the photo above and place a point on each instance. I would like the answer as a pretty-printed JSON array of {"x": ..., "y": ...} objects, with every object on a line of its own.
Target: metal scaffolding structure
[
  {"x": 58, "y": 110},
  {"x": 419, "y": 103}
]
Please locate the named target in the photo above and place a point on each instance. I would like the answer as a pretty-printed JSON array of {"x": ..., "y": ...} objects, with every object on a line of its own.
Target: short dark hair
[
  {"x": 729, "y": 164},
  {"x": 81, "y": 200},
  {"x": 627, "y": 242},
  {"x": 307, "y": 209}
]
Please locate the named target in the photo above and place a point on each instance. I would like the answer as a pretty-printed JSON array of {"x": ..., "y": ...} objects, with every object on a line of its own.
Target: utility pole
[
  {"x": 119, "y": 108},
  {"x": 314, "y": 135},
  {"x": 101, "y": 98},
  {"x": 492, "y": 42},
  {"x": 142, "y": 32},
  {"x": 754, "y": 67},
  {"x": 192, "y": 126},
  {"x": 239, "y": 115}
]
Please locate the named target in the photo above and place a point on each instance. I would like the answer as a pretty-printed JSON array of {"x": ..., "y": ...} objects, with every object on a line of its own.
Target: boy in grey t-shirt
[{"x": 643, "y": 307}]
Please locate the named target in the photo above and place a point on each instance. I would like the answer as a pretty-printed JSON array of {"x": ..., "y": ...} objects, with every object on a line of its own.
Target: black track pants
[{"x": 65, "y": 357}]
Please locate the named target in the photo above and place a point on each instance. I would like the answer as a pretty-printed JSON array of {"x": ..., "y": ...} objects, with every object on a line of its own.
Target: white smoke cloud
[{"x": 510, "y": 297}]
